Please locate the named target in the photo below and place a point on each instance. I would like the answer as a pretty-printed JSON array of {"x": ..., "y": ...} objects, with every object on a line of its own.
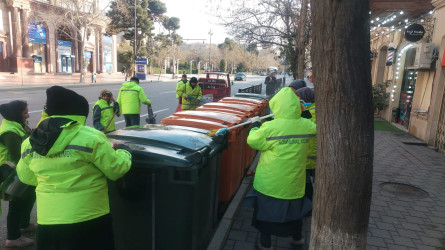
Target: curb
[{"x": 224, "y": 226}]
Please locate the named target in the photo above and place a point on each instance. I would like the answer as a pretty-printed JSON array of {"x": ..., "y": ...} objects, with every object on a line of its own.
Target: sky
[{"x": 194, "y": 21}]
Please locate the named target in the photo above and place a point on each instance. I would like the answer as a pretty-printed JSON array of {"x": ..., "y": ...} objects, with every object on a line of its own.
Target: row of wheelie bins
[{"x": 180, "y": 175}]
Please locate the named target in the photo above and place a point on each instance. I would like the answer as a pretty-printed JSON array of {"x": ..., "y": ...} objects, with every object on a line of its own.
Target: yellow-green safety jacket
[
  {"x": 181, "y": 82},
  {"x": 71, "y": 179},
  {"x": 106, "y": 113},
  {"x": 312, "y": 152},
  {"x": 130, "y": 97},
  {"x": 9, "y": 126},
  {"x": 185, "y": 90},
  {"x": 284, "y": 141}
]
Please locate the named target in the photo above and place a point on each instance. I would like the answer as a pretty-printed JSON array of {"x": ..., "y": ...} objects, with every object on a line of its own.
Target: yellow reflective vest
[
  {"x": 9, "y": 126},
  {"x": 106, "y": 114},
  {"x": 194, "y": 96},
  {"x": 284, "y": 141},
  {"x": 71, "y": 179},
  {"x": 178, "y": 85},
  {"x": 130, "y": 97},
  {"x": 312, "y": 152}
]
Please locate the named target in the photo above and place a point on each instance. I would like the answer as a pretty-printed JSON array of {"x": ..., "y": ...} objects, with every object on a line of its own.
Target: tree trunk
[
  {"x": 342, "y": 79},
  {"x": 301, "y": 38}
]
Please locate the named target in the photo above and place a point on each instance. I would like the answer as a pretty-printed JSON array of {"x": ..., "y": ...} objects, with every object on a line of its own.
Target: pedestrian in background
[
  {"x": 270, "y": 82},
  {"x": 104, "y": 111},
  {"x": 69, "y": 163},
  {"x": 130, "y": 97},
  {"x": 279, "y": 183},
  {"x": 307, "y": 95},
  {"x": 13, "y": 131},
  {"x": 124, "y": 70},
  {"x": 190, "y": 93}
]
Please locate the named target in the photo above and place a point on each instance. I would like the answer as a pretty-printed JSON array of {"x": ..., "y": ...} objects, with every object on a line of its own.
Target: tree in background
[
  {"x": 121, "y": 14},
  {"x": 270, "y": 23},
  {"x": 345, "y": 135},
  {"x": 171, "y": 24},
  {"x": 222, "y": 65},
  {"x": 380, "y": 96}
]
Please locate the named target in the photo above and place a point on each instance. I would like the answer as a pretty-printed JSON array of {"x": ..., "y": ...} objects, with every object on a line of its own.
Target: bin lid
[
  {"x": 240, "y": 107},
  {"x": 223, "y": 110},
  {"x": 167, "y": 146},
  {"x": 225, "y": 118},
  {"x": 251, "y": 96},
  {"x": 194, "y": 123},
  {"x": 240, "y": 99}
]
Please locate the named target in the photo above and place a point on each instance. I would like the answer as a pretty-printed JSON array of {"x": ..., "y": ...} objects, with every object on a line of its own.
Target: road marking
[
  {"x": 37, "y": 111},
  {"x": 168, "y": 92},
  {"x": 2, "y": 100},
  {"x": 155, "y": 112}
]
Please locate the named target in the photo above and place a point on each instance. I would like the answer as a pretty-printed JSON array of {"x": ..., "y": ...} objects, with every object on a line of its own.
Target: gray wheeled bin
[{"x": 168, "y": 200}]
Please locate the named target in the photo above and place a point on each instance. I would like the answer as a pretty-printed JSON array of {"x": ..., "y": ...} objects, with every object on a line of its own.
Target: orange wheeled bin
[
  {"x": 260, "y": 105},
  {"x": 231, "y": 171}
]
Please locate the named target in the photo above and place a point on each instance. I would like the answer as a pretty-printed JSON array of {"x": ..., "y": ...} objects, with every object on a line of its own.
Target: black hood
[{"x": 46, "y": 134}]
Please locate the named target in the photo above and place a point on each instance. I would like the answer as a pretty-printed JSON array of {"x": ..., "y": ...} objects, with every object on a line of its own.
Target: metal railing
[{"x": 256, "y": 89}]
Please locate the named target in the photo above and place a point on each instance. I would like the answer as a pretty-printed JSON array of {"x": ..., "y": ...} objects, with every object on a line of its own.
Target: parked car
[
  {"x": 263, "y": 73},
  {"x": 240, "y": 77}
]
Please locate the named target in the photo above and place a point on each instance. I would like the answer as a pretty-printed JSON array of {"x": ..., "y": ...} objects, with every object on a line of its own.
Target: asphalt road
[{"x": 161, "y": 94}]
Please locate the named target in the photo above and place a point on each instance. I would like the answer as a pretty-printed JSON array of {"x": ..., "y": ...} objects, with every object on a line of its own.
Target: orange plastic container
[
  {"x": 232, "y": 161},
  {"x": 248, "y": 152},
  {"x": 262, "y": 104},
  {"x": 231, "y": 106},
  {"x": 224, "y": 118},
  {"x": 223, "y": 110}
]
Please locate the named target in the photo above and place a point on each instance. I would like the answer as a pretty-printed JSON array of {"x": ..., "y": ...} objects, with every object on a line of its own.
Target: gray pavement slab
[{"x": 396, "y": 221}]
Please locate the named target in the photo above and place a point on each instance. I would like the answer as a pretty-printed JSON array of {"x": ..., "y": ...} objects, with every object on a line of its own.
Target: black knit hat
[
  {"x": 62, "y": 101},
  {"x": 193, "y": 80},
  {"x": 297, "y": 84},
  {"x": 12, "y": 111}
]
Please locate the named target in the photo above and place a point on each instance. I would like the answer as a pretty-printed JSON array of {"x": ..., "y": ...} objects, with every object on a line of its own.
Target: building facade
[
  {"x": 408, "y": 55},
  {"x": 47, "y": 36}
]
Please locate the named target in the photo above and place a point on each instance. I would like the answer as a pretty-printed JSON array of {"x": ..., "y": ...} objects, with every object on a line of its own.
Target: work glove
[
  {"x": 254, "y": 119},
  {"x": 222, "y": 131},
  {"x": 122, "y": 146}
]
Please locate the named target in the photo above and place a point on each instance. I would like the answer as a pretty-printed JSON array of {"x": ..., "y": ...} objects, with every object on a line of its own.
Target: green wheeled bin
[{"x": 169, "y": 198}]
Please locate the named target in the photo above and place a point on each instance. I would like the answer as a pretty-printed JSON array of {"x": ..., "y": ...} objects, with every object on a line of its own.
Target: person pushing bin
[{"x": 69, "y": 163}]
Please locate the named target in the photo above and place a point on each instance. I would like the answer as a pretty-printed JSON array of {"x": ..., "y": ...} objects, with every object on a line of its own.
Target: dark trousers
[
  {"x": 19, "y": 213},
  {"x": 132, "y": 120},
  {"x": 95, "y": 234},
  {"x": 266, "y": 239}
]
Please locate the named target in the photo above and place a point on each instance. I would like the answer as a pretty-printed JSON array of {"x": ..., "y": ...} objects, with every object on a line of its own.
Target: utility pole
[
  {"x": 135, "y": 32},
  {"x": 210, "y": 47},
  {"x": 191, "y": 66}
]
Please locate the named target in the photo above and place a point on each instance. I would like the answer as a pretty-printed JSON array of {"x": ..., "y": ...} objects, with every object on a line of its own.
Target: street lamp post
[
  {"x": 210, "y": 47},
  {"x": 191, "y": 66}
]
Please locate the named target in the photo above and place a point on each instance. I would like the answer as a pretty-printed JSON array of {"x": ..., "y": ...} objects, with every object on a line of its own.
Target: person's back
[{"x": 130, "y": 97}]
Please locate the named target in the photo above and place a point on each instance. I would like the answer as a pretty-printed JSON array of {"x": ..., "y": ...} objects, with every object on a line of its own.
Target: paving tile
[
  {"x": 396, "y": 247},
  {"x": 433, "y": 233},
  {"x": 424, "y": 247},
  {"x": 228, "y": 247},
  {"x": 371, "y": 248},
  {"x": 380, "y": 233},
  {"x": 243, "y": 245},
  {"x": 237, "y": 235},
  {"x": 230, "y": 242},
  {"x": 431, "y": 242},
  {"x": 403, "y": 241},
  {"x": 375, "y": 241},
  {"x": 385, "y": 226},
  {"x": 408, "y": 234}
]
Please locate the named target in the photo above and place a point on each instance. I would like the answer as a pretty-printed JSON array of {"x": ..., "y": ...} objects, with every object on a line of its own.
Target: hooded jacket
[
  {"x": 69, "y": 164},
  {"x": 130, "y": 97},
  {"x": 179, "y": 84},
  {"x": 185, "y": 90},
  {"x": 16, "y": 128},
  {"x": 102, "y": 114},
  {"x": 284, "y": 141}
]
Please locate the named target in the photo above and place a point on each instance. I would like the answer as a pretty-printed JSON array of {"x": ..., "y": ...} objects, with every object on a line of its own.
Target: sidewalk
[
  {"x": 401, "y": 219},
  {"x": 19, "y": 81}
]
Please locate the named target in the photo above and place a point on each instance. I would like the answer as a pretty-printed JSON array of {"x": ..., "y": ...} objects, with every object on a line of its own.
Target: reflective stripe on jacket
[
  {"x": 14, "y": 127},
  {"x": 284, "y": 141},
  {"x": 186, "y": 89},
  {"x": 130, "y": 97},
  {"x": 106, "y": 113},
  {"x": 177, "y": 87},
  {"x": 312, "y": 152},
  {"x": 71, "y": 179}
]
